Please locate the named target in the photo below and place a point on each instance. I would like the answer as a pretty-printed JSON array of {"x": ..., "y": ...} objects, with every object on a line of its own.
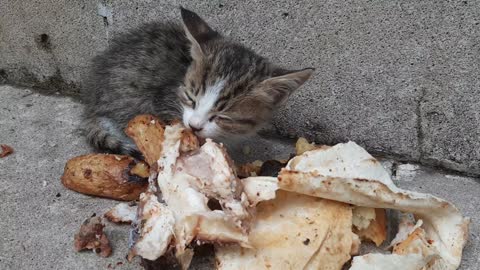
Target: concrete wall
[{"x": 398, "y": 77}]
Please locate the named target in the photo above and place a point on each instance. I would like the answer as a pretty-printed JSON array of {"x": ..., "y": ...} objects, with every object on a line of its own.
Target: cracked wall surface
[{"x": 399, "y": 78}]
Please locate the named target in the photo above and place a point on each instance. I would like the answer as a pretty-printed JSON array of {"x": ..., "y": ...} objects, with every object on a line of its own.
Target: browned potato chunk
[
  {"x": 147, "y": 133},
  {"x": 104, "y": 175}
]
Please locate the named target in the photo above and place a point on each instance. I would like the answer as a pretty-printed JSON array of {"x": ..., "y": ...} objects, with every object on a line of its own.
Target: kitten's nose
[{"x": 194, "y": 128}]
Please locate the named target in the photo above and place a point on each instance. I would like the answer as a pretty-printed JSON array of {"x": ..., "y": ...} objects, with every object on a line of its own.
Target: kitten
[{"x": 219, "y": 88}]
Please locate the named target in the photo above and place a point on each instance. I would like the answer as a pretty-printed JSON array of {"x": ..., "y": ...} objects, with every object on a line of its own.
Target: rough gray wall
[
  {"x": 48, "y": 43},
  {"x": 398, "y": 77}
]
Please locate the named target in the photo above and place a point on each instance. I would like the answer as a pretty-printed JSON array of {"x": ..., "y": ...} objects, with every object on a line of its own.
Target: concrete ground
[{"x": 38, "y": 216}]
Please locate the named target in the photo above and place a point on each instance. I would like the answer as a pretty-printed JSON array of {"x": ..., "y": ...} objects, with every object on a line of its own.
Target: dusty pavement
[{"x": 38, "y": 216}]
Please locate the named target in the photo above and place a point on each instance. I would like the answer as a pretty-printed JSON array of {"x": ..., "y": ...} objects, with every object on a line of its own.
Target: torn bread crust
[
  {"x": 213, "y": 175},
  {"x": 377, "y": 261},
  {"x": 416, "y": 243},
  {"x": 156, "y": 224},
  {"x": 356, "y": 242},
  {"x": 376, "y": 231},
  {"x": 406, "y": 226},
  {"x": 213, "y": 171},
  {"x": 347, "y": 173},
  {"x": 347, "y": 160},
  {"x": 294, "y": 231},
  {"x": 212, "y": 228},
  {"x": 177, "y": 193},
  {"x": 260, "y": 188},
  {"x": 122, "y": 213},
  {"x": 363, "y": 216}
]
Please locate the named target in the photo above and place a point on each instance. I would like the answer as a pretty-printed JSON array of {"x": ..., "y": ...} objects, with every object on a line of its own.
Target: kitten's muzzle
[{"x": 195, "y": 128}]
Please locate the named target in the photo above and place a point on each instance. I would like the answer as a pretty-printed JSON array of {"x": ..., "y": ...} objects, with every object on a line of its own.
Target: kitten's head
[{"x": 228, "y": 89}]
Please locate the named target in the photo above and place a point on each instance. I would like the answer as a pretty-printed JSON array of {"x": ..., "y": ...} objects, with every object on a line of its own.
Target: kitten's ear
[
  {"x": 197, "y": 30},
  {"x": 279, "y": 87}
]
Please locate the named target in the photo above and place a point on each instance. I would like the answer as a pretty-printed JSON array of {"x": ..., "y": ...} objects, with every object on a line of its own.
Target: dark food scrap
[
  {"x": 91, "y": 236},
  {"x": 249, "y": 169},
  {"x": 6, "y": 150},
  {"x": 271, "y": 168}
]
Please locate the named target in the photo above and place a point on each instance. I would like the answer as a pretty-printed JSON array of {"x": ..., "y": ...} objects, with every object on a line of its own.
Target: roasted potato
[
  {"x": 147, "y": 132},
  {"x": 104, "y": 175}
]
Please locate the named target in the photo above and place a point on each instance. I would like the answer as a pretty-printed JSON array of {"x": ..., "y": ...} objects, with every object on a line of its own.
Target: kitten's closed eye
[
  {"x": 221, "y": 118},
  {"x": 246, "y": 121},
  {"x": 189, "y": 99},
  {"x": 228, "y": 120}
]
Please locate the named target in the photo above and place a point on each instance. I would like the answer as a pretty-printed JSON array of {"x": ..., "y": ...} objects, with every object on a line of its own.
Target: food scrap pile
[{"x": 313, "y": 211}]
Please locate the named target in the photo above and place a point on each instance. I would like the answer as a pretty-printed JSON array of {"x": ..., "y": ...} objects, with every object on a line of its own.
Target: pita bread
[
  {"x": 260, "y": 188},
  {"x": 375, "y": 261},
  {"x": 347, "y": 173},
  {"x": 293, "y": 231}
]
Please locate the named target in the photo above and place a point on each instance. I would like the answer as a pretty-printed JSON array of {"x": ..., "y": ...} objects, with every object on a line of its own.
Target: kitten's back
[
  {"x": 138, "y": 74},
  {"x": 147, "y": 58}
]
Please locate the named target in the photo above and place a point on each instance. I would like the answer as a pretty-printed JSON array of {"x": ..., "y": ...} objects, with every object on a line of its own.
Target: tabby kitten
[{"x": 219, "y": 88}]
